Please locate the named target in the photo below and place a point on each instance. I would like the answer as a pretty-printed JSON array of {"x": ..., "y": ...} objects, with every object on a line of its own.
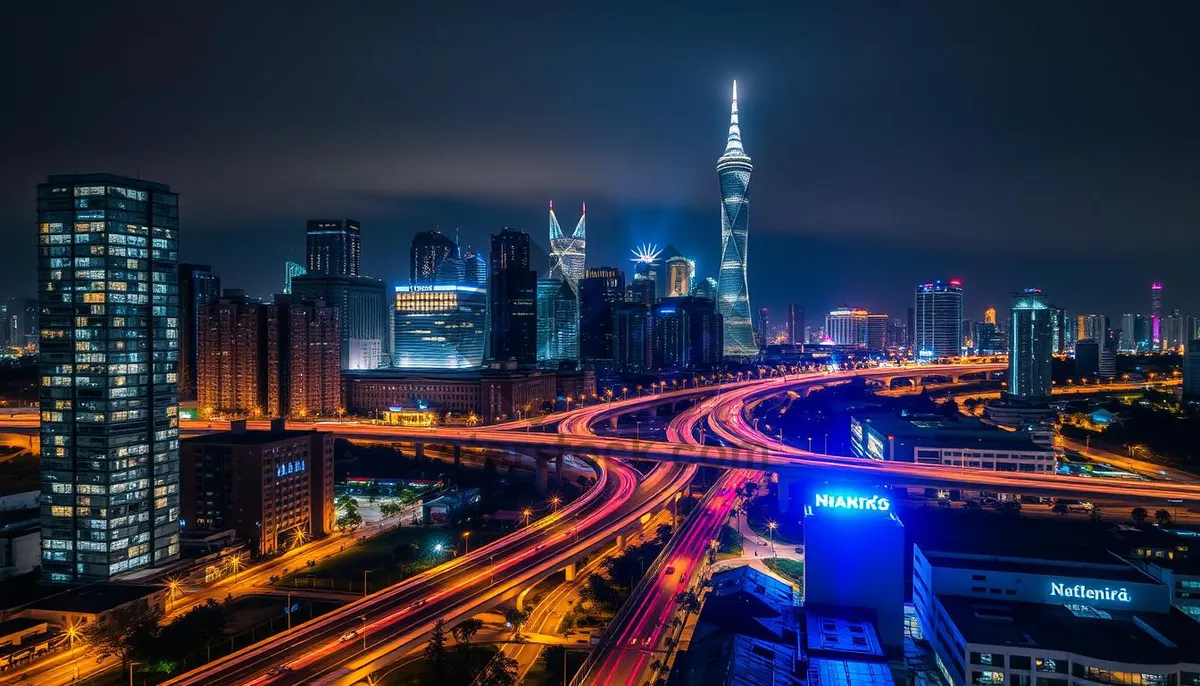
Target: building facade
[
  {"x": 315, "y": 370},
  {"x": 512, "y": 300},
  {"x": 847, "y": 326},
  {"x": 733, "y": 289},
  {"x": 877, "y": 331},
  {"x": 232, "y": 364},
  {"x": 109, "y": 300},
  {"x": 1191, "y": 371},
  {"x": 687, "y": 335},
  {"x": 492, "y": 395},
  {"x": 633, "y": 338},
  {"x": 290, "y": 271},
  {"x": 426, "y": 253},
  {"x": 198, "y": 287},
  {"x": 568, "y": 254},
  {"x": 334, "y": 247},
  {"x": 557, "y": 321},
  {"x": 273, "y": 488},
  {"x": 1030, "y": 345},
  {"x": 679, "y": 276},
  {"x": 937, "y": 331},
  {"x": 440, "y": 327},
  {"x": 599, "y": 293},
  {"x": 363, "y": 305}
]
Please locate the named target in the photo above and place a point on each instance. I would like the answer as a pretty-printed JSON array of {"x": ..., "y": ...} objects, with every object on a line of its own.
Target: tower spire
[
  {"x": 735, "y": 134},
  {"x": 555, "y": 229}
]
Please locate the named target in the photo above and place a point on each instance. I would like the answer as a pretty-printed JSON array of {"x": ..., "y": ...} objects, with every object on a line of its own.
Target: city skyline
[{"x": 843, "y": 158}]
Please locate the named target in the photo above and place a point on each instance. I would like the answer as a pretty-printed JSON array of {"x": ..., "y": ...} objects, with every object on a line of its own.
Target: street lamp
[
  {"x": 771, "y": 526},
  {"x": 236, "y": 563},
  {"x": 555, "y": 500},
  {"x": 72, "y": 632},
  {"x": 526, "y": 514},
  {"x": 466, "y": 543},
  {"x": 173, "y": 587}
]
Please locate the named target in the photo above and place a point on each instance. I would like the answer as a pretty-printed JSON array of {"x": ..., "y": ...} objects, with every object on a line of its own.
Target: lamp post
[
  {"x": 72, "y": 632},
  {"x": 365, "y": 573},
  {"x": 771, "y": 526},
  {"x": 555, "y": 500},
  {"x": 466, "y": 543},
  {"x": 131, "y": 664},
  {"x": 810, "y": 444}
]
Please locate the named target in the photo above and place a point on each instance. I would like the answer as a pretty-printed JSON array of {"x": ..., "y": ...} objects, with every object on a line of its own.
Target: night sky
[{"x": 1052, "y": 144}]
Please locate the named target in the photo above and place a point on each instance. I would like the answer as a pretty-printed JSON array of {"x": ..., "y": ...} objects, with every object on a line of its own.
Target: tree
[
  {"x": 1139, "y": 515},
  {"x": 435, "y": 651},
  {"x": 688, "y": 601},
  {"x": 197, "y": 627},
  {"x": 597, "y": 591},
  {"x": 517, "y": 619},
  {"x": 730, "y": 540},
  {"x": 501, "y": 670},
  {"x": 390, "y": 509},
  {"x": 663, "y": 533},
  {"x": 347, "y": 502},
  {"x": 126, "y": 632},
  {"x": 464, "y": 631},
  {"x": 373, "y": 491},
  {"x": 348, "y": 521},
  {"x": 1163, "y": 517}
]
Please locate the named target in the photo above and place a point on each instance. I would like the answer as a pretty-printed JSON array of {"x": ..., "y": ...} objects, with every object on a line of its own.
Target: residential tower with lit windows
[{"x": 109, "y": 312}]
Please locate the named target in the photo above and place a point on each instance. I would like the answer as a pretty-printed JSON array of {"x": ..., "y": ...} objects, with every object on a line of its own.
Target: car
[
  {"x": 278, "y": 669},
  {"x": 539, "y": 546},
  {"x": 633, "y": 641},
  {"x": 419, "y": 603},
  {"x": 670, "y": 571},
  {"x": 348, "y": 636},
  {"x": 683, "y": 578}
]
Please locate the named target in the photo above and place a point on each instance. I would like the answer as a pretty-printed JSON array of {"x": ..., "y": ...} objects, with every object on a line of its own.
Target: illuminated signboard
[
  {"x": 872, "y": 503},
  {"x": 856, "y": 429},
  {"x": 285, "y": 468},
  {"x": 874, "y": 447},
  {"x": 1083, "y": 592}
]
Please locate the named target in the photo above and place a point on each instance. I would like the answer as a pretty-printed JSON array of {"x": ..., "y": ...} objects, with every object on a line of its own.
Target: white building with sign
[
  {"x": 1025, "y": 622},
  {"x": 960, "y": 442}
]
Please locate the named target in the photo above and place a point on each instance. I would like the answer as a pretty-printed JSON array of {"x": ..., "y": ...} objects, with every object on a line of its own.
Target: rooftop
[
  {"x": 841, "y": 632},
  {"x": 95, "y": 598},
  {"x": 938, "y": 431},
  {"x": 19, "y": 625},
  {"x": 826, "y": 672},
  {"x": 1114, "y": 570},
  {"x": 249, "y": 437},
  {"x": 1110, "y": 635}
]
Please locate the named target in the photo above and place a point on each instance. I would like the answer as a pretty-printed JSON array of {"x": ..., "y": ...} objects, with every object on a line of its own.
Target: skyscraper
[
  {"x": 847, "y": 326},
  {"x": 362, "y": 321},
  {"x": 938, "y": 315},
  {"x": 599, "y": 293},
  {"x": 1156, "y": 341},
  {"x": 109, "y": 300},
  {"x": 764, "y": 326},
  {"x": 557, "y": 321},
  {"x": 733, "y": 290},
  {"x": 1031, "y": 332},
  {"x": 426, "y": 253},
  {"x": 198, "y": 287},
  {"x": 877, "y": 331},
  {"x": 679, "y": 276},
  {"x": 1058, "y": 330},
  {"x": 687, "y": 335},
  {"x": 795, "y": 325},
  {"x": 1173, "y": 333},
  {"x": 290, "y": 271},
  {"x": 1191, "y": 371},
  {"x": 440, "y": 326},
  {"x": 512, "y": 299},
  {"x": 333, "y": 247},
  {"x": 633, "y": 335},
  {"x": 568, "y": 254}
]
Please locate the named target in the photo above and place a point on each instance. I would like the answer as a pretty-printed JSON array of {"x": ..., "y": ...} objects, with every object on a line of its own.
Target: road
[{"x": 638, "y": 633}]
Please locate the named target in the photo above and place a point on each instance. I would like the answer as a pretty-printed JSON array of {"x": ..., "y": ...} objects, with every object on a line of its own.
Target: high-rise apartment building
[
  {"x": 557, "y": 321},
  {"x": 795, "y": 325},
  {"x": 733, "y": 288},
  {"x": 568, "y": 254},
  {"x": 334, "y": 247},
  {"x": 440, "y": 327},
  {"x": 679, "y": 276},
  {"x": 1156, "y": 339},
  {"x": 1174, "y": 331},
  {"x": 314, "y": 341},
  {"x": 687, "y": 335},
  {"x": 1030, "y": 344},
  {"x": 512, "y": 299},
  {"x": 897, "y": 333},
  {"x": 763, "y": 326},
  {"x": 642, "y": 290},
  {"x": 198, "y": 288},
  {"x": 231, "y": 366},
  {"x": 847, "y": 326},
  {"x": 108, "y": 296},
  {"x": 938, "y": 320},
  {"x": 290, "y": 271},
  {"x": 877, "y": 331},
  {"x": 599, "y": 293},
  {"x": 987, "y": 338},
  {"x": 426, "y": 253},
  {"x": 1058, "y": 330},
  {"x": 363, "y": 317},
  {"x": 1135, "y": 332}
]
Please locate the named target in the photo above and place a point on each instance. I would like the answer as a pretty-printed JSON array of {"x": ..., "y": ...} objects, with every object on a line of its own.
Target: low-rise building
[
  {"x": 92, "y": 603},
  {"x": 959, "y": 442},
  {"x": 272, "y": 487},
  {"x": 493, "y": 395}
]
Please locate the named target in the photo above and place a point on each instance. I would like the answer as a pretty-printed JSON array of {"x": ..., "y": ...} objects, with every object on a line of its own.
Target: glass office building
[
  {"x": 1031, "y": 342},
  {"x": 938, "y": 320},
  {"x": 109, "y": 301},
  {"x": 440, "y": 327},
  {"x": 333, "y": 247},
  {"x": 557, "y": 321}
]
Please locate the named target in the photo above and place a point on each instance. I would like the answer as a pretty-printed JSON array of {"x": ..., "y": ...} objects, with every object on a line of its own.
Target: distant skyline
[{"x": 1008, "y": 146}]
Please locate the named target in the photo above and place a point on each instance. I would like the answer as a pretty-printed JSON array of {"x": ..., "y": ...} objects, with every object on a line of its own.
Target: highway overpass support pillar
[
  {"x": 521, "y": 599},
  {"x": 419, "y": 449},
  {"x": 620, "y": 541},
  {"x": 541, "y": 473},
  {"x": 457, "y": 456},
  {"x": 558, "y": 471},
  {"x": 569, "y": 571},
  {"x": 612, "y": 422}
]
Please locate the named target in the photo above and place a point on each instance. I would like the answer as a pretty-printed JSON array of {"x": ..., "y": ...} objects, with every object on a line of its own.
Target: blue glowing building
[
  {"x": 1030, "y": 345},
  {"x": 733, "y": 290},
  {"x": 557, "y": 321},
  {"x": 440, "y": 326},
  {"x": 938, "y": 320}
]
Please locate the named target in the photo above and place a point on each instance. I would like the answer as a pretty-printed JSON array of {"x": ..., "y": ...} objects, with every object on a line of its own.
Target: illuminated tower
[
  {"x": 733, "y": 292},
  {"x": 1030, "y": 345},
  {"x": 1156, "y": 340},
  {"x": 568, "y": 254}
]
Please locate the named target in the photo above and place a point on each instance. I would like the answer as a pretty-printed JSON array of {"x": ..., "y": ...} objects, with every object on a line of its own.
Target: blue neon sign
[{"x": 872, "y": 503}]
